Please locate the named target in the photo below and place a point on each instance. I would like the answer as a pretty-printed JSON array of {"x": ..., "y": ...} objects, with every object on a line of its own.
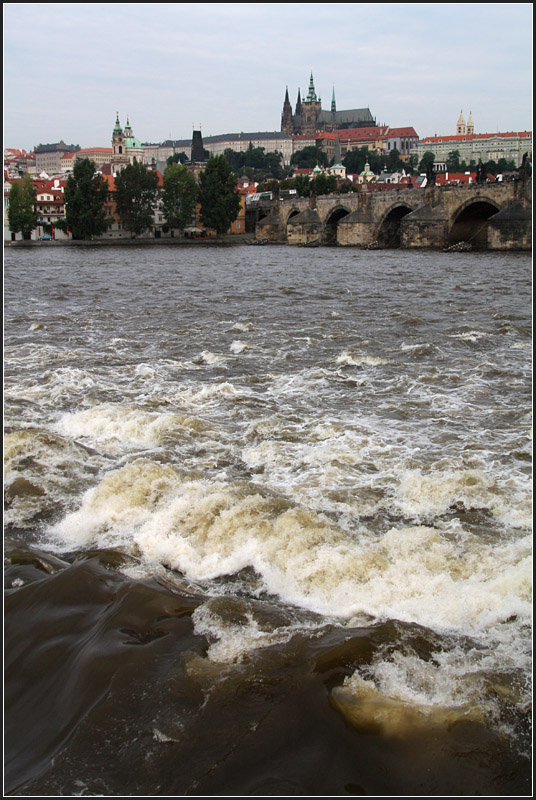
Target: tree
[
  {"x": 324, "y": 184},
  {"x": 178, "y": 196},
  {"x": 177, "y": 158},
  {"x": 309, "y": 157},
  {"x": 412, "y": 163},
  {"x": 217, "y": 195},
  {"x": 427, "y": 161},
  {"x": 85, "y": 195},
  {"x": 355, "y": 160},
  {"x": 136, "y": 193},
  {"x": 302, "y": 184},
  {"x": 453, "y": 161},
  {"x": 393, "y": 162},
  {"x": 21, "y": 215}
]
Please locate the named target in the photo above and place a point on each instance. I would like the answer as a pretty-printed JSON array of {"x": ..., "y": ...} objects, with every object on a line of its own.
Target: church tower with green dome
[{"x": 126, "y": 148}]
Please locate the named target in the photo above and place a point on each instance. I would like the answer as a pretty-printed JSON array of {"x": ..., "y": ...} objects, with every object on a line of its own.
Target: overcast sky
[{"x": 224, "y": 67}]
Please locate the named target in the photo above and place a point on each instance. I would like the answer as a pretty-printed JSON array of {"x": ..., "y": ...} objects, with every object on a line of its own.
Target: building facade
[
  {"x": 270, "y": 141},
  {"x": 48, "y": 156},
  {"x": 477, "y": 146}
]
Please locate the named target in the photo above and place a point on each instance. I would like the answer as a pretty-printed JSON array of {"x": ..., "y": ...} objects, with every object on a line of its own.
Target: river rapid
[{"x": 268, "y": 522}]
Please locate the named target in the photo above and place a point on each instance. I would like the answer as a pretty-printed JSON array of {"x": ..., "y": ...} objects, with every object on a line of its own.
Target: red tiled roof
[
  {"x": 395, "y": 132},
  {"x": 471, "y": 136}
]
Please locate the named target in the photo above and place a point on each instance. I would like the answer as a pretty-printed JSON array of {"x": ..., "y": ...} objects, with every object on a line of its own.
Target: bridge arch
[
  {"x": 469, "y": 222},
  {"x": 329, "y": 235},
  {"x": 388, "y": 230},
  {"x": 291, "y": 214}
]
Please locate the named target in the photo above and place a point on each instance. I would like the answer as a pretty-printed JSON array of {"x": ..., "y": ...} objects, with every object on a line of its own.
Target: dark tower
[
  {"x": 198, "y": 151},
  {"x": 286, "y": 116}
]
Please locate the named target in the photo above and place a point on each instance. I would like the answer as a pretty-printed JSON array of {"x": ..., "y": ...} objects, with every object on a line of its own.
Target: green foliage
[
  {"x": 393, "y": 162},
  {"x": 427, "y": 161},
  {"x": 255, "y": 163},
  {"x": 136, "y": 193},
  {"x": 178, "y": 196},
  {"x": 217, "y": 195},
  {"x": 177, "y": 158},
  {"x": 21, "y": 215},
  {"x": 355, "y": 161},
  {"x": 302, "y": 184},
  {"x": 324, "y": 184},
  {"x": 309, "y": 157},
  {"x": 412, "y": 164},
  {"x": 85, "y": 196}
]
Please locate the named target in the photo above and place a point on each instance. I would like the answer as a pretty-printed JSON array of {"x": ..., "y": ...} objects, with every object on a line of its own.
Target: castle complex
[{"x": 309, "y": 118}]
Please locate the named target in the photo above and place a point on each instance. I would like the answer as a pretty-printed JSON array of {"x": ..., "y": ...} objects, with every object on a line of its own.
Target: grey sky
[{"x": 69, "y": 67}]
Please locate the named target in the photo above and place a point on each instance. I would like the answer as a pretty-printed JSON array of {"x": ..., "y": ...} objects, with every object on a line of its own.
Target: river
[{"x": 268, "y": 522}]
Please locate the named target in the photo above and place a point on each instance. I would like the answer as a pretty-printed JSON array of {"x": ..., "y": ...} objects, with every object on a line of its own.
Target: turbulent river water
[{"x": 268, "y": 522}]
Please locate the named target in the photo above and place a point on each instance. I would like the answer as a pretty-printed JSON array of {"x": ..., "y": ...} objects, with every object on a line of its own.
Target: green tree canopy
[
  {"x": 255, "y": 163},
  {"x": 427, "y": 161},
  {"x": 393, "y": 162},
  {"x": 22, "y": 216},
  {"x": 324, "y": 184},
  {"x": 355, "y": 160},
  {"x": 178, "y": 196},
  {"x": 302, "y": 184},
  {"x": 177, "y": 158},
  {"x": 136, "y": 193},
  {"x": 85, "y": 195},
  {"x": 454, "y": 164},
  {"x": 309, "y": 157},
  {"x": 217, "y": 195}
]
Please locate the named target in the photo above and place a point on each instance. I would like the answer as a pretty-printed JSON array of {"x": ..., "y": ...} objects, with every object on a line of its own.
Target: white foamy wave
[
  {"x": 41, "y": 470},
  {"x": 117, "y": 426},
  {"x": 243, "y": 327},
  {"x": 210, "y": 358},
  {"x": 238, "y": 347},
  {"x": 434, "y": 492},
  {"x": 350, "y": 359},
  {"x": 469, "y": 336},
  {"x": 206, "y": 530},
  {"x": 234, "y": 635},
  {"x": 145, "y": 371}
]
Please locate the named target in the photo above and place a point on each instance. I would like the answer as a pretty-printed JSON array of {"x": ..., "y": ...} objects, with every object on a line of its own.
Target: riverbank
[{"x": 140, "y": 242}]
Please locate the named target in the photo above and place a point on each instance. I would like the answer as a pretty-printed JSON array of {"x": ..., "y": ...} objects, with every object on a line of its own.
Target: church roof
[{"x": 339, "y": 118}]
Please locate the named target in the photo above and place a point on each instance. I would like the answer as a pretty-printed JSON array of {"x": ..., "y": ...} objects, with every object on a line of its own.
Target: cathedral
[{"x": 308, "y": 117}]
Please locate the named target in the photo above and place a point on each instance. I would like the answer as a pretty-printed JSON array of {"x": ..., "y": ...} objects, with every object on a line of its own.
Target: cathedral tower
[
  {"x": 311, "y": 109},
  {"x": 286, "y": 117}
]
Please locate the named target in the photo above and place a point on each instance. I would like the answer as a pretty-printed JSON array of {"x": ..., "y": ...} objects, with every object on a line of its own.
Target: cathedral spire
[
  {"x": 117, "y": 129},
  {"x": 286, "y": 116},
  {"x": 311, "y": 97},
  {"x": 333, "y": 104}
]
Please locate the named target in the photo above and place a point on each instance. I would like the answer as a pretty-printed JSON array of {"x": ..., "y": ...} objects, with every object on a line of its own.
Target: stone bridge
[{"x": 489, "y": 216}]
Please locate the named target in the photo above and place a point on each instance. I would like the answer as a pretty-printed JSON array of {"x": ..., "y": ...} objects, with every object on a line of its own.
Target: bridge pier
[
  {"x": 510, "y": 228},
  {"x": 425, "y": 227}
]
